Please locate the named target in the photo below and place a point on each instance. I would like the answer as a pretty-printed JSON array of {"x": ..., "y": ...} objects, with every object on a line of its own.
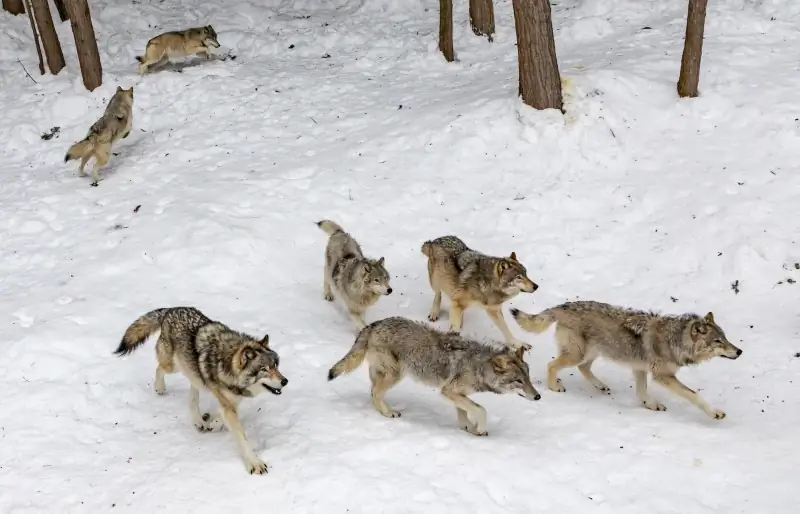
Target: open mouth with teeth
[{"x": 271, "y": 389}]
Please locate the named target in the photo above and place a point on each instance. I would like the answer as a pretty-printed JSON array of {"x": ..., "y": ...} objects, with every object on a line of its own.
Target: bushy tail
[
  {"x": 79, "y": 149},
  {"x": 536, "y": 323},
  {"x": 140, "y": 330},
  {"x": 354, "y": 357},
  {"x": 140, "y": 58},
  {"x": 329, "y": 227}
]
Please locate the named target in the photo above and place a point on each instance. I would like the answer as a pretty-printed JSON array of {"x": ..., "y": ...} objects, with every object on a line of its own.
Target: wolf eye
[{"x": 376, "y": 280}]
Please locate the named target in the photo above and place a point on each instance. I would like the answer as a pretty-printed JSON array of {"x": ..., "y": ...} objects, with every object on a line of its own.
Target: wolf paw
[
  {"x": 654, "y": 406},
  {"x": 557, "y": 387},
  {"x": 328, "y": 297},
  {"x": 475, "y": 431},
  {"x": 209, "y": 423},
  {"x": 604, "y": 389},
  {"x": 433, "y": 317},
  {"x": 717, "y": 414},
  {"x": 392, "y": 414},
  {"x": 257, "y": 467},
  {"x": 94, "y": 184}
]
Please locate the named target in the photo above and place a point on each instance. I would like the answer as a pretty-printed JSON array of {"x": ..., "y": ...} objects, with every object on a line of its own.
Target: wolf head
[
  {"x": 375, "y": 277},
  {"x": 511, "y": 374},
  {"x": 128, "y": 93},
  {"x": 210, "y": 36},
  {"x": 257, "y": 366},
  {"x": 709, "y": 341},
  {"x": 513, "y": 276}
]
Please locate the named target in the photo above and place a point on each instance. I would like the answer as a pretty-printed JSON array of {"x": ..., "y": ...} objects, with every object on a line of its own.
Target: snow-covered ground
[{"x": 344, "y": 109}]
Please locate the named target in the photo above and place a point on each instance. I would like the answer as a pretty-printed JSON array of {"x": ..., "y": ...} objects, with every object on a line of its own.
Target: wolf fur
[
  {"x": 395, "y": 347},
  {"x": 115, "y": 124},
  {"x": 469, "y": 277},
  {"x": 231, "y": 365},
  {"x": 357, "y": 281},
  {"x": 646, "y": 342},
  {"x": 177, "y": 44}
]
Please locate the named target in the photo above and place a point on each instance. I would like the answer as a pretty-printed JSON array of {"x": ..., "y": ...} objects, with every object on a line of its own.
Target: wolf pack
[{"x": 232, "y": 365}]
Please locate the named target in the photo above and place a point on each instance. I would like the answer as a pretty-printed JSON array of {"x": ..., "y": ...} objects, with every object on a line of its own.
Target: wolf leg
[
  {"x": 253, "y": 464},
  {"x": 382, "y": 381},
  {"x": 437, "y": 305},
  {"x": 202, "y": 422},
  {"x": 586, "y": 370},
  {"x": 475, "y": 412},
  {"x": 166, "y": 366},
  {"x": 677, "y": 387},
  {"x": 464, "y": 421},
  {"x": 101, "y": 159},
  {"x": 641, "y": 392},
  {"x": 496, "y": 314},
  {"x": 358, "y": 319},
  {"x": 456, "y": 315},
  {"x": 326, "y": 285}
]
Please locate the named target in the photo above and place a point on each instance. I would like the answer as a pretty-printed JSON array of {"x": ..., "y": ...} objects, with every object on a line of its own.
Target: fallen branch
[{"x": 26, "y": 71}]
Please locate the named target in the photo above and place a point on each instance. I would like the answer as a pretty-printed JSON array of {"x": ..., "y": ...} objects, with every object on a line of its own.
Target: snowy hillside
[{"x": 344, "y": 109}]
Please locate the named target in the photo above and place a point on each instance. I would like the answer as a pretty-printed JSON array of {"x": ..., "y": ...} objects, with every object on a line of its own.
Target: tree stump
[
  {"x": 539, "y": 79},
  {"x": 689, "y": 78},
  {"x": 446, "y": 29},
  {"x": 47, "y": 32},
  {"x": 14, "y": 6},
  {"x": 85, "y": 43},
  {"x": 481, "y": 18}
]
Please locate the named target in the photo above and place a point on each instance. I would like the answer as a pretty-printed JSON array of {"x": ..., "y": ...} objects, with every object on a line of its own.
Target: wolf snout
[
  {"x": 388, "y": 290},
  {"x": 535, "y": 286},
  {"x": 537, "y": 397},
  {"x": 738, "y": 352},
  {"x": 284, "y": 381}
]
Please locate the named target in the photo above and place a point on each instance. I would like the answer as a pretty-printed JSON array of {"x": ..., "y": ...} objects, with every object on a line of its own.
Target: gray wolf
[
  {"x": 229, "y": 364},
  {"x": 646, "y": 342},
  {"x": 469, "y": 277},
  {"x": 395, "y": 347},
  {"x": 115, "y": 124},
  {"x": 357, "y": 281},
  {"x": 176, "y": 44}
]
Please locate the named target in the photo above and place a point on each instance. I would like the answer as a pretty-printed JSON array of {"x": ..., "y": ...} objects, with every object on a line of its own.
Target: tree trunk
[
  {"x": 446, "y": 29},
  {"x": 62, "y": 10},
  {"x": 689, "y": 77},
  {"x": 35, "y": 37},
  {"x": 481, "y": 17},
  {"x": 47, "y": 31},
  {"x": 85, "y": 43},
  {"x": 13, "y": 6},
  {"x": 539, "y": 80}
]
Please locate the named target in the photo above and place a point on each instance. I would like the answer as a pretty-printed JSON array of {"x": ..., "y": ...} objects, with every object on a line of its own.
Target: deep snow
[{"x": 634, "y": 197}]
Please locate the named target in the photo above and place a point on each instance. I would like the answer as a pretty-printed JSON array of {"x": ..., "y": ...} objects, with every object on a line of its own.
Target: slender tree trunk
[
  {"x": 13, "y": 6},
  {"x": 47, "y": 31},
  {"x": 689, "y": 77},
  {"x": 481, "y": 17},
  {"x": 85, "y": 43},
  {"x": 62, "y": 10},
  {"x": 446, "y": 29},
  {"x": 35, "y": 36},
  {"x": 539, "y": 80}
]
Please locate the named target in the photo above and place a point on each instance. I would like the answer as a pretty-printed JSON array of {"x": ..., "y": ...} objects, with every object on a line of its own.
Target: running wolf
[
  {"x": 357, "y": 280},
  {"x": 230, "y": 365},
  {"x": 115, "y": 124},
  {"x": 176, "y": 44},
  {"x": 646, "y": 342},
  {"x": 469, "y": 277},
  {"x": 395, "y": 347}
]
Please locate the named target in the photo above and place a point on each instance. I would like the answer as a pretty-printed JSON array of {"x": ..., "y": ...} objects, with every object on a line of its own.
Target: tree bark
[
  {"x": 539, "y": 79},
  {"x": 14, "y": 6},
  {"x": 47, "y": 31},
  {"x": 85, "y": 43},
  {"x": 481, "y": 18},
  {"x": 62, "y": 10},
  {"x": 35, "y": 37},
  {"x": 689, "y": 77},
  {"x": 446, "y": 29}
]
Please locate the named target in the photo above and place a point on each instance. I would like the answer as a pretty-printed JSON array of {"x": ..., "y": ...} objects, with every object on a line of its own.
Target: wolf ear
[
  {"x": 380, "y": 262},
  {"x": 709, "y": 318},
  {"x": 265, "y": 341},
  {"x": 119, "y": 89},
  {"x": 246, "y": 356},
  {"x": 500, "y": 362},
  {"x": 513, "y": 256}
]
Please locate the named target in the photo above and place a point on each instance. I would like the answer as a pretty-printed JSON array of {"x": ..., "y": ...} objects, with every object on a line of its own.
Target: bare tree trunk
[
  {"x": 62, "y": 10},
  {"x": 481, "y": 17},
  {"x": 35, "y": 36},
  {"x": 14, "y": 6},
  {"x": 689, "y": 77},
  {"x": 47, "y": 31},
  {"x": 539, "y": 80},
  {"x": 85, "y": 43},
  {"x": 446, "y": 29}
]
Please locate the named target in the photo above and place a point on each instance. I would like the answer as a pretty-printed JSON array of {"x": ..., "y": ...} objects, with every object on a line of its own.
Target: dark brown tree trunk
[
  {"x": 13, "y": 6},
  {"x": 446, "y": 29},
  {"x": 62, "y": 10},
  {"x": 539, "y": 80},
  {"x": 689, "y": 77},
  {"x": 35, "y": 36},
  {"x": 47, "y": 31},
  {"x": 85, "y": 43},
  {"x": 481, "y": 17}
]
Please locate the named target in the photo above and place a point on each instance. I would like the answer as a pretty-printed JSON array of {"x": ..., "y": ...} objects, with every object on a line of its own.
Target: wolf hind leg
[{"x": 382, "y": 380}]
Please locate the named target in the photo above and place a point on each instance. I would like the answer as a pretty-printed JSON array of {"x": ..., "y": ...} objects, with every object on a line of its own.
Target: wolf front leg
[
  {"x": 476, "y": 414},
  {"x": 496, "y": 314},
  {"x": 677, "y": 387},
  {"x": 358, "y": 319},
  {"x": 641, "y": 392},
  {"x": 230, "y": 416}
]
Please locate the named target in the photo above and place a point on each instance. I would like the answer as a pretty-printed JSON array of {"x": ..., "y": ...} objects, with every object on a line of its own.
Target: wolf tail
[
  {"x": 329, "y": 227},
  {"x": 140, "y": 58},
  {"x": 354, "y": 357},
  {"x": 536, "y": 323},
  {"x": 140, "y": 330},
  {"x": 79, "y": 149}
]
